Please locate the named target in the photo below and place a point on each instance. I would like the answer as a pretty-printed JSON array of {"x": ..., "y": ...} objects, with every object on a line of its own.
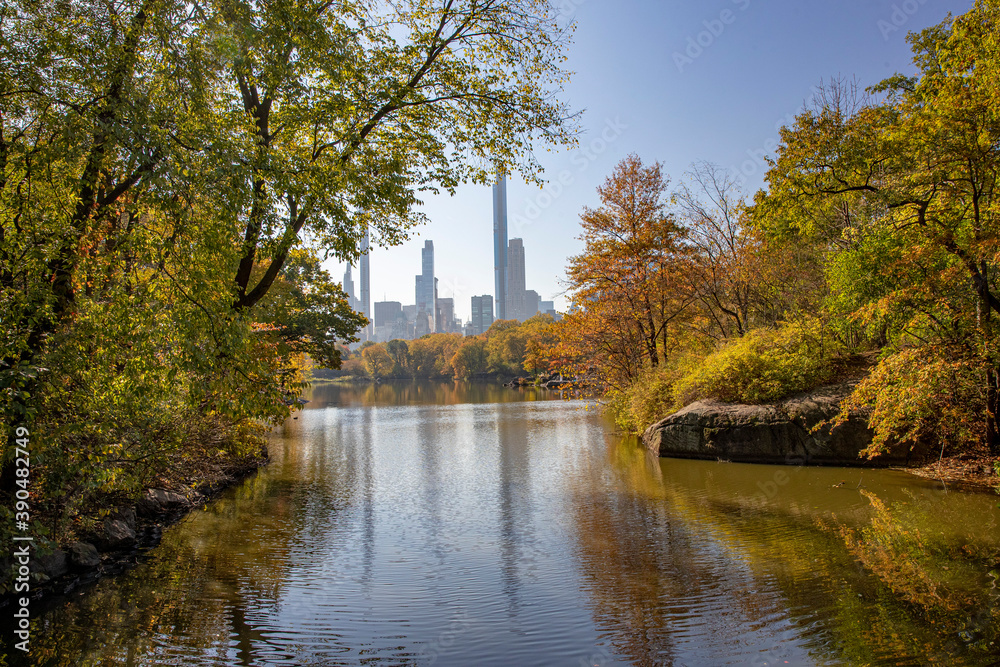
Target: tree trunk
[
  {"x": 992, "y": 375},
  {"x": 992, "y": 408}
]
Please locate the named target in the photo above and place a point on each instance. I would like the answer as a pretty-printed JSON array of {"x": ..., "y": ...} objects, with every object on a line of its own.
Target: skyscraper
[
  {"x": 387, "y": 312},
  {"x": 482, "y": 313},
  {"x": 364, "y": 303},
  {"x": 500, "y": 243},
  {"x": 515, "y": 281},
  {"x": 532, "y": 303},
  {"x": 445, "y": 314},
  {"x": 389, "y": 321},
  {"x": 348, "y": 285},
  {"x": 426, "y": 291}
]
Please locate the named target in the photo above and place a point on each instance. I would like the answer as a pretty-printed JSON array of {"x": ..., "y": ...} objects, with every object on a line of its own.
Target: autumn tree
[
  {"x": 399, "y": 350},
  {"x": 470, "y": 359},
  {"x": 378, "y": 363},
  {"x": 625, "y": 284}
]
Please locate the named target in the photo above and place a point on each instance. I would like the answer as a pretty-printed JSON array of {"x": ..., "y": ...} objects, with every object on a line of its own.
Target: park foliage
[
  {"x": 875, "y": 242},
  {"x": 508, "y": 349}
]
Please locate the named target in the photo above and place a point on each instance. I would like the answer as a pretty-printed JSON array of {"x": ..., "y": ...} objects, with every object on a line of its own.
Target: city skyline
[
  {"x": 432, "y": 313},
  {"x": 435, "y": 314},
  {"x": 708, "y": 109}
]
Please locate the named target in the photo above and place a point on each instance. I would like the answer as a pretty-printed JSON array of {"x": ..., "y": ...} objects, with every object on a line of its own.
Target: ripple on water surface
[{"x": 431, "y": 524}]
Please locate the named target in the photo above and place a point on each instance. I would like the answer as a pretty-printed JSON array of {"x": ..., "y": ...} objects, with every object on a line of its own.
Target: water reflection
[
  {"x": 728, "y": 564},
  {"x": 456, "y": 525}
]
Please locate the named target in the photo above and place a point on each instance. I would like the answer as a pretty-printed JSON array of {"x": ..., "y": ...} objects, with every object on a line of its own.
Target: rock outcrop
[
  {"x": 159, "y": 501},
  {"x": 116, "y": 535},
  {"x": 84, "y": 556},
  {"x": 779, "y": 432}
]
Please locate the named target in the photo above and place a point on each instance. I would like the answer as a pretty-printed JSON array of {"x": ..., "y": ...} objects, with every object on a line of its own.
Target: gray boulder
[
  {"x": 52, "y": 565},
  {"x": 157, "y": 501},
  {"x": 779, "y": 432},
  {"x": 125, "y": 514},
  {"x": 84, "y": 556},
  {"x": 116, "y": 535}
]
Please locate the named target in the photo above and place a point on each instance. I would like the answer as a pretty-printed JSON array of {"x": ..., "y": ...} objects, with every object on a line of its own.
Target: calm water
[{"x": 432, "y": 524}]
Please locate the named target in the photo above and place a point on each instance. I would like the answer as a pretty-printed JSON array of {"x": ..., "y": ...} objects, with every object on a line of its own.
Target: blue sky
[{"x": 676, "y": 81}]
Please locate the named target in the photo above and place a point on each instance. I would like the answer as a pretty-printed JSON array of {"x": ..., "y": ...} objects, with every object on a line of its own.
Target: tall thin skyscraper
[
  {"x": 426, "y": 290},
  {"x": 500, "y": 244},
  {"x": 348, "y": 285},
  {"x": 364, "y": 305},
  {"x": 515, "y": 281}
]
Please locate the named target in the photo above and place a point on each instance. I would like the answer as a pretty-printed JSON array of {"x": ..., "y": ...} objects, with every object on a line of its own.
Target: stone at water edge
[
  {"x": 778, "y": 432},
  {"x": 84, "y": 556},
  {"x": 52, "y": 565},
  {"x": 160, "y": 500},
  {"x": 116, "y": 535}
]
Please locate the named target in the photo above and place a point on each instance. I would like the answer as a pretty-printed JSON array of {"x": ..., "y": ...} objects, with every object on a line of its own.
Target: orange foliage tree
[{"x": 628, "y": 286}]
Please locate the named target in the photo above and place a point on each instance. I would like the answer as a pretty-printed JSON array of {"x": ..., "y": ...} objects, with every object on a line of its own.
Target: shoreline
[
  {"x": 972, "y": 472},
  {"x": 78, "y": 565}
]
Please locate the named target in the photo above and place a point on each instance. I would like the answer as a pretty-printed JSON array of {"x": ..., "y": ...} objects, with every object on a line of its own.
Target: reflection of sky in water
[{"x": 399, "y": 524}]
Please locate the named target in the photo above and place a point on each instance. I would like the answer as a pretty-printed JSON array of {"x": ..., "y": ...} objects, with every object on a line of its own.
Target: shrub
[
  {"x": 649, "y": 399},
  {"x": 764, "y": 365},
  {"x": 931, "y": 395}
]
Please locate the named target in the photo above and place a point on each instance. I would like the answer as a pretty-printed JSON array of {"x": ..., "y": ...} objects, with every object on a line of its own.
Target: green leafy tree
[
  {"x": 171, "y": 175},
  {"x": 470, "y": 359},
  {"x": 914, "y": 179},
  {"x": 400, "y": 353}
]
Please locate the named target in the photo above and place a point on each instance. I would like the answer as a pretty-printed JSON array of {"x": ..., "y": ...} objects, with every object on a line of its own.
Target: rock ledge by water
[
  {"x": 779, "y": 432},
  {"x": 123, "y": 538}
]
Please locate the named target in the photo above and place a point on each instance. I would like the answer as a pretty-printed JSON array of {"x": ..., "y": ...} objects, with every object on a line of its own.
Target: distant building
[
  {"x": 387, "y": 312},
  {"x": 445, "y": 315},
  {"x": 391, "y": 322},
  {"x": 515, "y": 281},
  {"x": 482, "y": 314},
  {"x": 500, "y": 243},
  {"x": 545, "y": 306},
  {"x": 530, "y": 303},
  {"x": 348, "y": 286},
  {"x": 365, "y": 300}
]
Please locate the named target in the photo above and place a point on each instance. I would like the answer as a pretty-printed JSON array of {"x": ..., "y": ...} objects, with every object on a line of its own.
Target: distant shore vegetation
[{"x": 508, "y": 349}]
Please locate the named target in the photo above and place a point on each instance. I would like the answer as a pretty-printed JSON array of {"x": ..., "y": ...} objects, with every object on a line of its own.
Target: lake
[{"x": 440, "y": 524}]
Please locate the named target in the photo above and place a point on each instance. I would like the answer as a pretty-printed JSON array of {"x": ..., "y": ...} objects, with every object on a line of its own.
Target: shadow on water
[{"x": 451, "y": 524}]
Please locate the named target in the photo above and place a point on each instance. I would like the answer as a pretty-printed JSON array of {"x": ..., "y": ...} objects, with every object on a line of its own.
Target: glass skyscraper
[{"x": 500, "y": 244}]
